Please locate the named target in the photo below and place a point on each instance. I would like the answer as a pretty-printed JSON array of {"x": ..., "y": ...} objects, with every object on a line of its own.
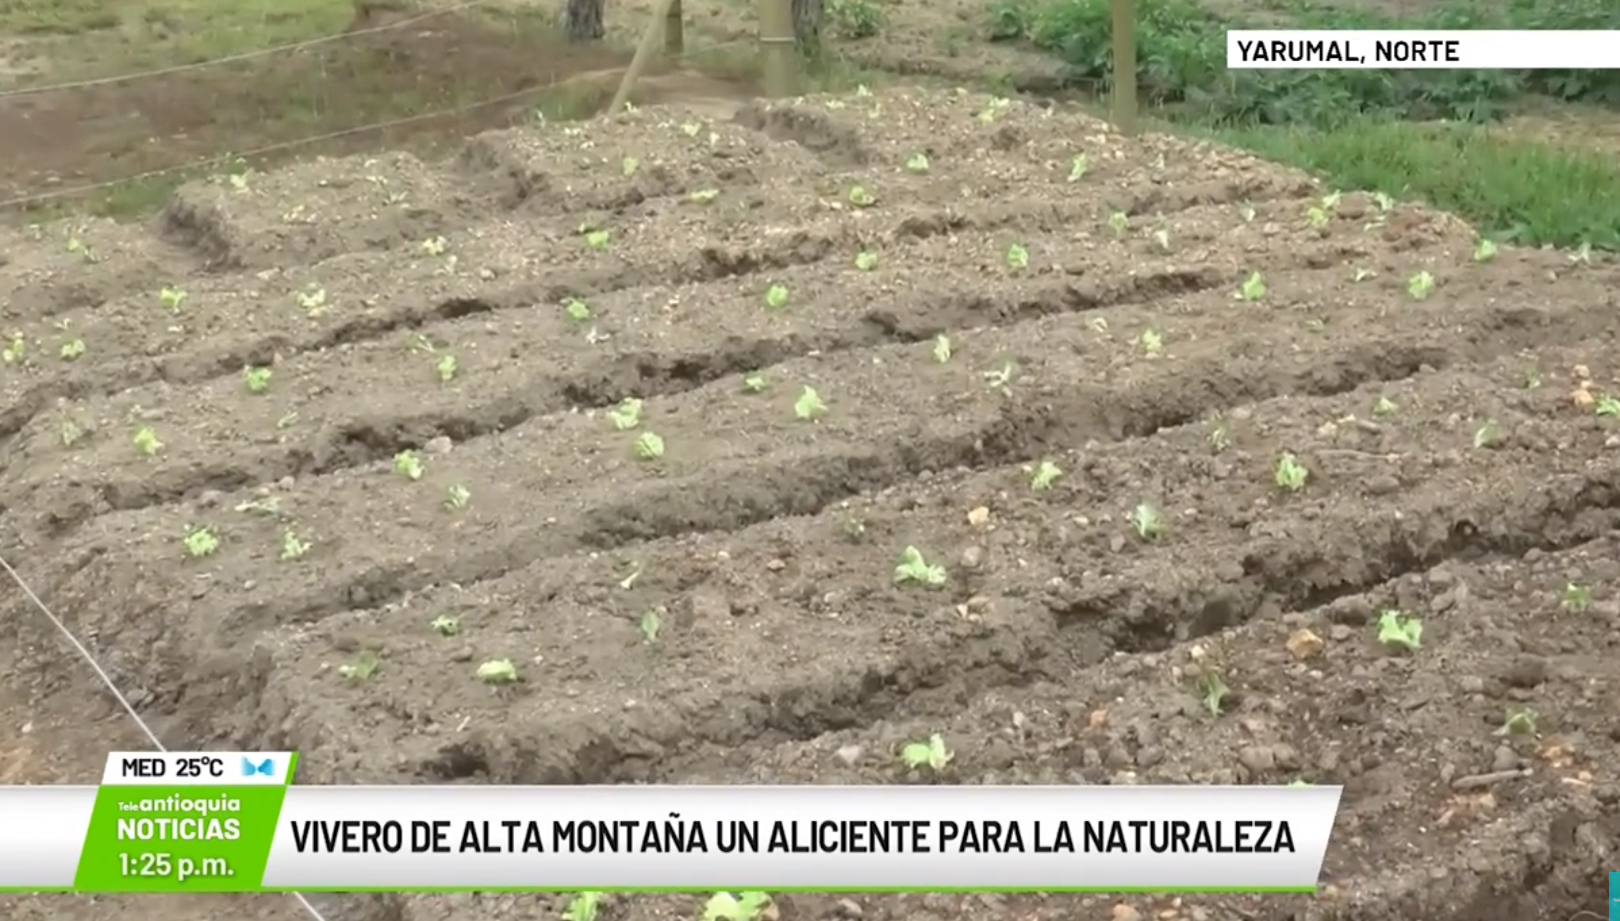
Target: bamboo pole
[
  {"x": 778, "y": 51},
  {"x": 639, "y": 62},
  {"x": 1124, "y": 95},
  {"x": 674, "y": 31}
]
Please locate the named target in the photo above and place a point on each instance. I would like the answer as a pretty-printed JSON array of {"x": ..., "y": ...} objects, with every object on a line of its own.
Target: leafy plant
[
  {"x": 291, "y": 547},
  {"x": 860, "y": 198},
  {"x": 497, "y": 671},
  {"x": 1420, "y": 286},
  {"x": 917, "y": 163},
  {"x": 932, "y": 754},
  {"x": 628, "y": 166},
  {"x": 913, "y": 568},
  {"x": 1119, "y": 222},
  {"x": 755, "y": 382},
  {"x": 446, "y": 625},
  {"x": 200, "y": 542},
  {"x": 649, "y": 446},
  {"x": 1147, "y": 521},
  {"x": 1607, "y": 405},
  {"x": 649, "y": 626},
  {"x": 1290, "y": 473},
  {"x": 1253, "y": 287},
  {"x": 361, "y": 669},
  {"x": 776, "y": 297},
  {"x": 1484, "y": 250},
  {"x": 1487, "y": 435},
  {"x": 577, "y": 310},
  {"x": 312, "y": 300},
  {"x": 583, "y": 906},
  {"x": 627, "y": 415},
  {"x": 1017, "y": 256},
  {"x": 1077, "y": 168},
  {"x": 1520, "y": 721},
  {"x": 408, "y": 464},
  {"x": 1576, "y": 599},
  {"x": 1212, "y": 690},
  {"x": 1397, "y": 629},
  {"x": 1151, "y": 342},
  {"x": 72, "y": 350},
  {"x": 1385, "y": 407},
  {"x": 456, "y": 497},
  {"x": 1001, "y": 377},
  {"x": 866, "y": 260},
  {"x": 445, "y": 367},
  {"x": 942, "y": 348},
  {"x": 257, "y": 380},
  {"x": 16, "y": 350},
  {"x": 146, "y": 442},
  {"x": 1046, "y": 474},
  {"x": 809, "y": 405},
  {"x": 171, "y": 299},
  {"x": 598, "y": 239},
  {"x": 435, "y": 246},
  {"x": 744, "y": 906}
]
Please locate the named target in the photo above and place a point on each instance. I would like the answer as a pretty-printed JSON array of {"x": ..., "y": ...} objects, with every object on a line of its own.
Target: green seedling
[
  {"x": 598, "y": 239},
  {"x": 456, "y": 497},
  {"x": 1317, "y": 218},
  {"x": 1420, "y": 286},
  {"x": 860, "y": 198},
  {"x": 1119, "y": 222},
  {"x": 16, "y": 350},
  {"x": 1001, "y": 377},
  {"x": 291, "y": 547},
  {"x": 408, "y": 464},
  {"x": 809, "y": 405},
  {"x": 913, "y": 568},
  {"x": 1484, "y": 250},
  {"x": 754, "y": 383},
  {"x": 419, "y": 342},
  {"x": 312, "y": 300},
  {"x": 171, "y": 299},
  {"x": 583, "y": 906},
  {"x": 649, "y": 626},
  {"x": 1520, "y": 721},
  {"x": 1487, "y": 435},
  {"x": 917, "y": 163},
  {"x": 1046, "y": 475},
  {"x": 866, "y": 260},
  {"x": 1253, "y": 287},
  {"x": 627, "y": 415},
  {"x": 200, "y": 542},
  {"x": 1532, "y": 379},
  {"x": 71, "y": 432},
  {"x": 1220, "y": 435},
  {"x": 257, "y": 380},
  {"x": 1213, "y": 690},
  {"x": 1397, "y": 629},
  {"x": 1077, "y": 168},
  {"x": 435, "y": 246},
  {"x": 445, "y": 367},
  {"x": 361, "y": 668},
  {"x": 1299, "y": 782},
  {"x": 854, "y": 530},
  {"x": 1151, "y": 343},
  {"x": 146, "y": 442},
  {"x": 1608, "y": 406},
  {"x": 73, "y": 350},
  {"x": 744, "y": 906},
  {"x": 1290, "y": 473},
  {"x": 649, "y": 446},
  {"x": 1577, "y": 599},
  {"x": 446, "y": 625},
  {"x": 628, "y": 166},
  {"x": 1147, "y": 521},
  {"x": 704, "y": 196},
  {"x": 776, "y": 297},
  {"x": 1017, "y": 256},
  {"x": 942, "y": 348},
  {"x": 932, "y": 754},
  {"x": 577, "y": 310},
  {"x": 497, "y": 671},
  {"x": 1385, "y": 407}
]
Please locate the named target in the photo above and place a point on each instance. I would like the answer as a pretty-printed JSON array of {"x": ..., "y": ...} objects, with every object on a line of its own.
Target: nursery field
[{"x": 667, "y": 449}]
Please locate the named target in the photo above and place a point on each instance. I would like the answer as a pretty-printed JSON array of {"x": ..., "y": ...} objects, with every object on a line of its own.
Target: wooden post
[
  {"x": 674, "y": 31},
  {"x": 778, "y": 52},
  {"x": 1124, "y": 95},
  {"x": 639, "y": 62}
]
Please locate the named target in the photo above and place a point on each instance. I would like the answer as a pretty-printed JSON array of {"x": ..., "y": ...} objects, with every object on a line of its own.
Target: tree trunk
[
  {"x": 807, "y": 26},
  {"x": 583, "y": 21}
]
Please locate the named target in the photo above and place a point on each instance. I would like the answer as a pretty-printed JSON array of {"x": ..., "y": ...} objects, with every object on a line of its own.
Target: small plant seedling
[
  {"x": 1119, "y": 222},
  {"x": 361, "y": 669},
  {"x": 71, "y": 432},
  {"x": 628, "y": 166},
  {"x": 312, "y": 300},
  {"x": 577, "y": 310},
  {"x": 1520, "y": 721},
  {"x": 860, "y": 198},
  {"x": 16, "y": 350},
  {"x": 257, "y": 380},
  {"x": 776, "y": 297},
  {"x": 1607, "y": 405},
  {"x": 1290, "y": 473},
  {"x": 456, "y": 497},
  {"x": 445, "y": 367},
  {"x": 1151, "y": 343},
  {"x": 1017, "y": 256},
  {"x": 435, "y": 246},
  {"x": 1397, "y": 629},
  {"x": 942, "y": 348},
  {"x": 1046, "y": 474},
  {"x": 291, "y": 547},
  {"x": 1213, "y": 690},
  {"x": 1147, "y": 521},
  {"x": 1420, "y": 286},
  {"x": 917, "y": 163},
  {"x": 1484, "y": 250},
  {"x": 1317, "y": 218},
  {"x": 1487, "y": 435},
  {"x": 744, "y": 906},
  {"x": 1532, "y": 379},
  {"x": 1577, "y": 599},
  {"x": 809, "y": 405},
  {"x": 146, "y": 442},
  {"x": 598, "y": 239},
  {"x": 1001, "y": 377},
  {"x": 446, "y": 625},
  {"x": 497, "y": 671},
  {"x": 1078, "y": 167},
  {"x": 913, "y": 568},
  {"x": 73, "y": 350},
  {"x": 932, "y": 754},
  {"x": 1299, "y": 782},
  {"x": 584, "y": 906},
  {"x": 1385, "y": 407},
  {"x": 866, "y": 260},
  {"x": 171, "y": 299},
  {"x": 649, "y": 626},
  {"x": 1220, "y": 435},
  {"x": 408, "y": 464},
  {"x": 200, "y": 542},
  {"x": 854, "y": 530},
  {"x": 649, "y": 446},
  {"x": 1330, "y": 201},
  {"x": 1253, "y": 287},
  {"x": 754, "y": 383},
  {"x": 627, "y": 415}
]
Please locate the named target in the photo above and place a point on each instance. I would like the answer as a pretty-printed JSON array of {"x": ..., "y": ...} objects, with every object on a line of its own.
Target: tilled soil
[{"x": 1459, "y": 471}]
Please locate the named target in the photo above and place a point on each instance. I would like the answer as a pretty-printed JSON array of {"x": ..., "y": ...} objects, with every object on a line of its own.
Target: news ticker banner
[
  {"x": 233, "y": 822},
  {"x": 1402, "y": 49}
]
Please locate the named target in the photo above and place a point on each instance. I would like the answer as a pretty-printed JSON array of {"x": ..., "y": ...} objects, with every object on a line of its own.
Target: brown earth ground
[{"x": 1063, "y": 648}]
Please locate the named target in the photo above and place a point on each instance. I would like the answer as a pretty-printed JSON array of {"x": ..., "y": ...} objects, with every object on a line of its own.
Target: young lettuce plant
[
  {"x": 446, "y": 367},
  {"x": 146, "y": 442},
  {"x": 1147, "y": 521},
  {"x": 754, "y": 383},
  {"x": 1290, "y": 473},
  {"x": 913, "y": 568},
  {"x": 446, "y": 625},
  {"x": 942, "y": 348},
  {"x": 291, "y": 547},
  {"x": 1397, "y": 629},
  {"x": 776, "y": 297},
  {"x": 866, "y": 260},
  {"x": 1046, "y": 474},
  {"x": 408, "y": 464},
  {"x": 1577, "y": 599},
  {"x": 257, "y": 380},
  {"x": 809, "y": 405},
  {"x": 171, "y": 299},
  {"x": 584, "y": 906},
  {"x": 200, "y": 542},
  {"x": 497, "y": 671},
  {"x": 1420, "y": 286},
  {"x": 649, "y": 446},
  {"x": 363, "y": 667},
  {"x": 744, "y": 906},
  {"x": 627, "y": 415},
  {"x": 917, "y": 163},
  {"x": 1253, "y": 287},
  {"x": 932, "y": 754},
  {"x": 577, "y": 310},
  {"x": 456, "y": 497},
  {"x": 1017, "y": 256},
  {"x": 1078, "y": 167},
  {"x": 649, "y": 626}
]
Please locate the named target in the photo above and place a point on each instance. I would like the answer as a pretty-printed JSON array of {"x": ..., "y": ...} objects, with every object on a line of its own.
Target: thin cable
[
  {"x": 107, "y": 682},
  {"x": 234, "y": 58}
]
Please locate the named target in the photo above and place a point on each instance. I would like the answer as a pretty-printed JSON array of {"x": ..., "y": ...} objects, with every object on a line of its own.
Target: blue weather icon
[{"x": 266, "y": 768}]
